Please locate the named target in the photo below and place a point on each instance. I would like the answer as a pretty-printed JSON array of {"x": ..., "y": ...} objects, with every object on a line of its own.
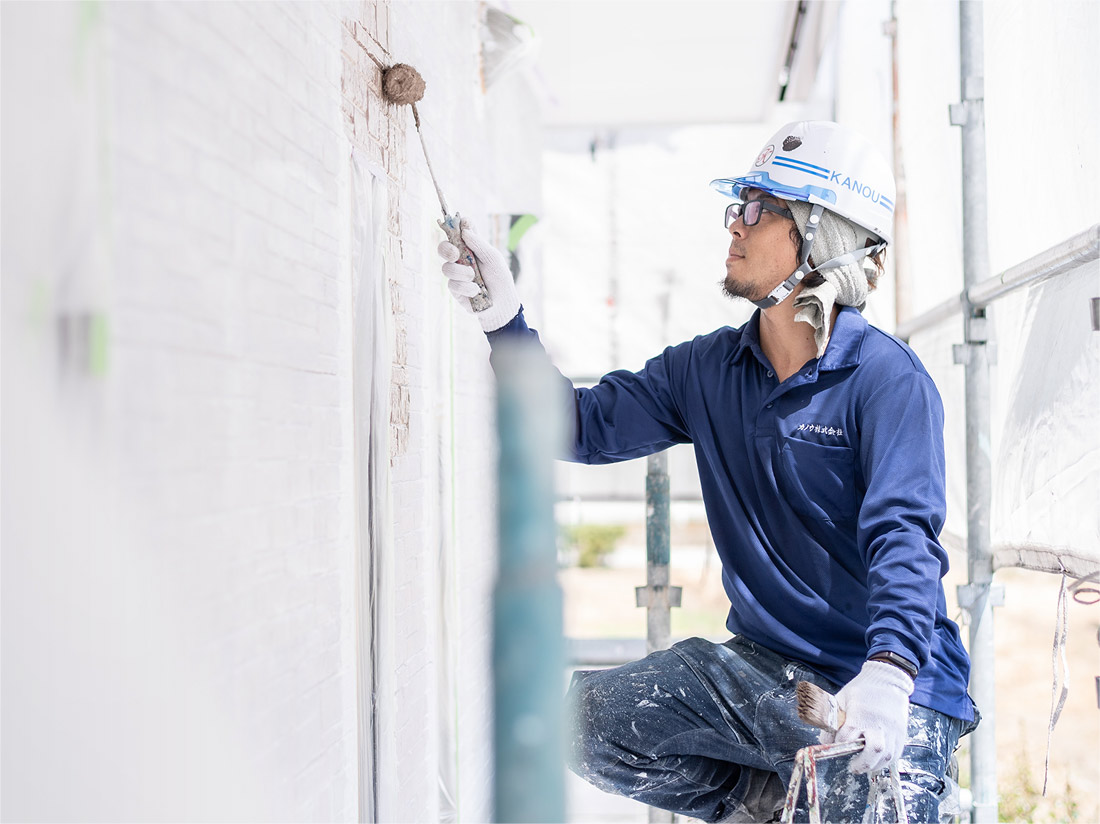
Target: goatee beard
[{"x": 733, "y": 290}]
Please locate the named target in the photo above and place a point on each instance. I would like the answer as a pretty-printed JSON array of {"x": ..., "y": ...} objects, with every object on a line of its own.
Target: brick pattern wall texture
[{"x": 179, "y": 602}]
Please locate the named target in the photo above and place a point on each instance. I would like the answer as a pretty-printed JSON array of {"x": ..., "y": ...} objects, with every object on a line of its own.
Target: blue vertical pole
[{"x": 528, "y": 645}]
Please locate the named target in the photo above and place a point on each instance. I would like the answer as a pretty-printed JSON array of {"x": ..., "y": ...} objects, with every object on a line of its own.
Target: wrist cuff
[{"x": 886, "y": 675}]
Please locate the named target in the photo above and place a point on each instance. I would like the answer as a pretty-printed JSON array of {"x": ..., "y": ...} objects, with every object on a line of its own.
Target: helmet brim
[{"x": 733, "y": 186}]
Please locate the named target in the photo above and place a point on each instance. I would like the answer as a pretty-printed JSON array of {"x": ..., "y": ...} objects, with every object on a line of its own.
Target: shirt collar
[
  {"x": 842, "y": 352},
  {"x": 846, "y": 341},
  {"x": 750, "y": 339}
]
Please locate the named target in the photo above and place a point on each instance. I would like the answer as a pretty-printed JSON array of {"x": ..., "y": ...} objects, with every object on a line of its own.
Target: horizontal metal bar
[
  {"x": 603, "y": 652},
  {"x": 1057, "y": 260},
  {"x": 611, "y": 652},
  {"x": 1054, "y": 261},
  {"x": 936, "y": 314},
  {"x": 623, "y": 498}
]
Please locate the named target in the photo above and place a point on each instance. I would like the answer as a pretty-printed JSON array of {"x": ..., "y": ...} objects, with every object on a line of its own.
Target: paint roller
[{"x": 403, "y": 85}]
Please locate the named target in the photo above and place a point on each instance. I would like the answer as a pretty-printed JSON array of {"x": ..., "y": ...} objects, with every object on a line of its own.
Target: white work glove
[
  {"x": 875, "y": 705},
  {"x": 495, "y": 273}
]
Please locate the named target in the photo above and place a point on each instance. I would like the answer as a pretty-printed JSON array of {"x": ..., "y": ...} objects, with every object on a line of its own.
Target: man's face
[{"x": 761, "y": 256}]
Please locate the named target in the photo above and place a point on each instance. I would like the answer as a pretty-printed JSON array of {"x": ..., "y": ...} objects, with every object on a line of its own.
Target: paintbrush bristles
[{"x": 818, "y": 708}]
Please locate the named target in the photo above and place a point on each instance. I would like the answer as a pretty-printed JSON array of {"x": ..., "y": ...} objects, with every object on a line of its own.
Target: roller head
[{"x": 402, "y": 84}]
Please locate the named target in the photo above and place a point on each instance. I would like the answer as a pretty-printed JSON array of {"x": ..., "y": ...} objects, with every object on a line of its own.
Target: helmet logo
[
  {"x": 791, "y": 143},
  {"x": 765, "y": 155}
]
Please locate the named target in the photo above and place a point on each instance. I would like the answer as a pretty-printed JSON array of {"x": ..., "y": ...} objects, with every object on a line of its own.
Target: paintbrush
[{"x": 818, "y": 708}]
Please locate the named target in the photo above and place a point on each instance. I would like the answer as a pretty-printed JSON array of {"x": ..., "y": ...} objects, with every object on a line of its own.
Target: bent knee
[
  {"x": 598, "y": 724},
  {"x": 586, "y": 703}
]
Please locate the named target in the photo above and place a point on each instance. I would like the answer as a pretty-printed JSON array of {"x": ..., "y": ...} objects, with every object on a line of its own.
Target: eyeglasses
[{"x": 751, "y": 210}]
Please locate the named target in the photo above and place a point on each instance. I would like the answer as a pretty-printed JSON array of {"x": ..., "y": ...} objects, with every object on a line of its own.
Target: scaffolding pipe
[
  {"x": 1067, "y": 256},
  {"x": 903, "y": 285},
  {"x": 657, "y": 596},
  {"x": 970, "y": 116},
  {"x": 528, "y": 646}
]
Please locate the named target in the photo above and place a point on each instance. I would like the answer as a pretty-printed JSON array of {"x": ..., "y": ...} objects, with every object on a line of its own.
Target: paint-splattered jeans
[{"x": 710, "y": 731}]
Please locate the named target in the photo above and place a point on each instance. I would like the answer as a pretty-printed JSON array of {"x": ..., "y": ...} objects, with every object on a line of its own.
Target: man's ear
[{"x": 796, "y": 239}]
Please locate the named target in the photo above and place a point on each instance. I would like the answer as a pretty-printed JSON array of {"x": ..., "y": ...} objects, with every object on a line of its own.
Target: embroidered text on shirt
[{"x": 819, "y": 429}]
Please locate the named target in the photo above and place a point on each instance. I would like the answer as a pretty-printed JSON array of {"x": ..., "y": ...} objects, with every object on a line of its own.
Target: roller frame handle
[{"x": 451, "y": 226}]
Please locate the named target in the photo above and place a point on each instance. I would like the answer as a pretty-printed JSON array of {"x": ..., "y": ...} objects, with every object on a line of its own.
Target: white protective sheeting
[
  {"x": 1045, "y": 447},
  {"x": 1046, "y": 395}
]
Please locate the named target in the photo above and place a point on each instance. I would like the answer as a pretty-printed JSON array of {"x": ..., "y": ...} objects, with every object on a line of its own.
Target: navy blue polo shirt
[{"x": 824, "y": 493}]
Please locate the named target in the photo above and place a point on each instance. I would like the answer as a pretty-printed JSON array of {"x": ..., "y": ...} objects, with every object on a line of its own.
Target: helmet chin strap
[{"x": 783, "y": 291}]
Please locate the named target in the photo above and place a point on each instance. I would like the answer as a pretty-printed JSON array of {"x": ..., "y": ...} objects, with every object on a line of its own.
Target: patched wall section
[{"x": 434, "y": 619}]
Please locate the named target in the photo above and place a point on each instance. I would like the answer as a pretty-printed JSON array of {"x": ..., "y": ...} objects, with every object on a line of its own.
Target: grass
[
  {"x": 592, "y": 542},
  {"x": 1021, "y": 797}
]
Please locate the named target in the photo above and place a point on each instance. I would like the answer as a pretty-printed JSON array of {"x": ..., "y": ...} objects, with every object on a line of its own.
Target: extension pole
[
  {"x": 978, "y": 596},
  {"x": 657, "y": 596},
  {"x": 528, "y": 646}
]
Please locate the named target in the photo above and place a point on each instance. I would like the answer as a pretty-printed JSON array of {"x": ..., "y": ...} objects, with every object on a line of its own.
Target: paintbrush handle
[{"x": 451, "y": 226}]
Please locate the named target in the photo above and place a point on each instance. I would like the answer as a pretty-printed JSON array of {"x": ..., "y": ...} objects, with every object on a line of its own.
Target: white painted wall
[
  {"x": 180, "y": 516},
  {"x": 178, "y": 637}
]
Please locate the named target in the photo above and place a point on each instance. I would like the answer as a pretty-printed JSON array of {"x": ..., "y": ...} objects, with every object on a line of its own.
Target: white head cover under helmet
[{"x": 831, "y": 167}]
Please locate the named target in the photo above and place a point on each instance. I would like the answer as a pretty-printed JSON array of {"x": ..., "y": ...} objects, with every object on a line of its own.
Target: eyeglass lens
[{"x": 749, "y": 212}]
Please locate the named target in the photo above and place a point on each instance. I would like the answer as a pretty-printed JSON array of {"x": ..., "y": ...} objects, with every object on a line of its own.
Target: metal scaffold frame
[
  {"x": 969, "y": 115},
  {"x": 979, "y": 595}
]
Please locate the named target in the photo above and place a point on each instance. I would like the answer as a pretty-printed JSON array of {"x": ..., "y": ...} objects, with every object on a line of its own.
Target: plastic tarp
[{"x": 1045, "y": 444}]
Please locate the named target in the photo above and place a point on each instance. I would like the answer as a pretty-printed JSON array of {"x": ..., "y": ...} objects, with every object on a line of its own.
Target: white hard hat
[
  {"x": 820, "y": 162},
  {"x": 832, "y": 168}
]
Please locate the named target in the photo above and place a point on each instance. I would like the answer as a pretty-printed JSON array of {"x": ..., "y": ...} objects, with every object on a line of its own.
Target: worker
[{"x": 819, "y": 445}]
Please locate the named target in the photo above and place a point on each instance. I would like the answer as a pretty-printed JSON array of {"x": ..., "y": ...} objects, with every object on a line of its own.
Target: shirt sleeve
[
  {"x": 627, "y": 415},
  {"x": 903, "y": 511}
]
